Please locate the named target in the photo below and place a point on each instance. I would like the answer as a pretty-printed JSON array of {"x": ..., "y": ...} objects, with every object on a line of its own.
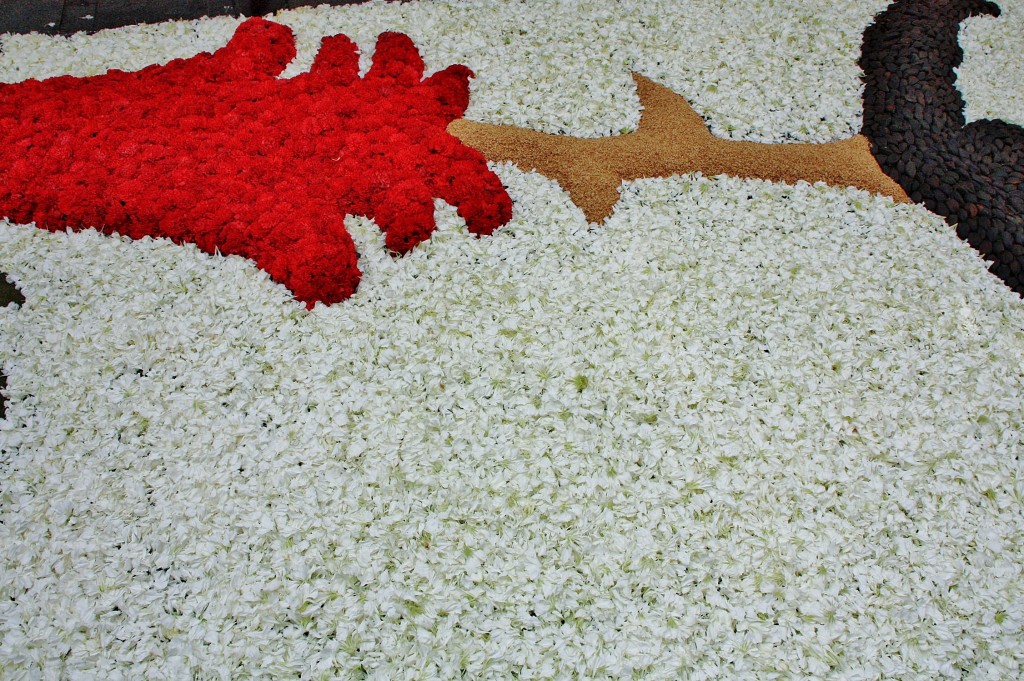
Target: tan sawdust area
[{"x": 671, "y": 139}]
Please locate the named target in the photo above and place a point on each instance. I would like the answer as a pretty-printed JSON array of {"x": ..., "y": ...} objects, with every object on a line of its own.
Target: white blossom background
[{"x": 741, "y": 430}]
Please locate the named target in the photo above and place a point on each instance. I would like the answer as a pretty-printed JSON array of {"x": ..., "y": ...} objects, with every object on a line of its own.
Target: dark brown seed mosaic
[{"x": 971, "y": 174}]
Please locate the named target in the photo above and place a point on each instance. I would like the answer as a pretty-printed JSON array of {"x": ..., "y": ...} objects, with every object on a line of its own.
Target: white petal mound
[{"x": 742, "y": 430}]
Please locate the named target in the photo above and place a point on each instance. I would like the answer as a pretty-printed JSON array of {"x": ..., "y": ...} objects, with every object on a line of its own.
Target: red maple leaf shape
[{"x": 218, "y": 151}]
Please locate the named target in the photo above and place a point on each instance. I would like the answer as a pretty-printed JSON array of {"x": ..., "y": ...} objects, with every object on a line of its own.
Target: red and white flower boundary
[{"x": 741, "y": 429}]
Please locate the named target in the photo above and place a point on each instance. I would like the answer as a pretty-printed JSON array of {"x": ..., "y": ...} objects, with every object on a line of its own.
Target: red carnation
[{"x": 218, "y": 151}]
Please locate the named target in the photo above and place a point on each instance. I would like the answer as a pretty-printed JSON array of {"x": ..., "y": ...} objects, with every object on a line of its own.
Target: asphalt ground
[{"x": 71, "y": 16}]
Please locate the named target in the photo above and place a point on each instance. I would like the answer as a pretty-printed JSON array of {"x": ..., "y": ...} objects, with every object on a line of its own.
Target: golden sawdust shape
[{"x": 671, "y": 139}]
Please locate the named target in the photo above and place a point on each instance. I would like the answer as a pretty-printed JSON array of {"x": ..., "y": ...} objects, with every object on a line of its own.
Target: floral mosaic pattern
[
  {"x": 216, "y": 150},
  {"x": 743, "y": 429}
]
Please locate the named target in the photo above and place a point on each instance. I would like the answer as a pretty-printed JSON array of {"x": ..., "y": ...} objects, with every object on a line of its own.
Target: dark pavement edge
[{"x": 65, "y": 17}]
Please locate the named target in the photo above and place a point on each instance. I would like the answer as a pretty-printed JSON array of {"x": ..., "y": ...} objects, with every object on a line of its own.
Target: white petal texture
[{"x": 741, "y": 430}]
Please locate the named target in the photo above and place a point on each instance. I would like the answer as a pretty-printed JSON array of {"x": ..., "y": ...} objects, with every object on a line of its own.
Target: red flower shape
[{"x": 217, "y": 151}]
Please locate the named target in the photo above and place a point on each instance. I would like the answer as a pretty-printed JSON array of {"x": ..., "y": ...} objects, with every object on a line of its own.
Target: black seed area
[{"x": 972, "y": 175}]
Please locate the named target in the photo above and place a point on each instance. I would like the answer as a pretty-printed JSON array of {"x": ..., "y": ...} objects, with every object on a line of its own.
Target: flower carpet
[{"x": 300, "y": 385}]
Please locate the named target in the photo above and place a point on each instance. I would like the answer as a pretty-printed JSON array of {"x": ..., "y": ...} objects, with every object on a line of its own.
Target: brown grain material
[{"x": 671, "y": 139}]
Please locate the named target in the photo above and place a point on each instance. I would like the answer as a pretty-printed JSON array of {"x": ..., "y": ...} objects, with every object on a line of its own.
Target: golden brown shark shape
[{"x": 671, "y": 139}]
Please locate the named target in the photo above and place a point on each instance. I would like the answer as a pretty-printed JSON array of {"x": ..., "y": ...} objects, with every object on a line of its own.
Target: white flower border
[{"x": 741, "y": 430}]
